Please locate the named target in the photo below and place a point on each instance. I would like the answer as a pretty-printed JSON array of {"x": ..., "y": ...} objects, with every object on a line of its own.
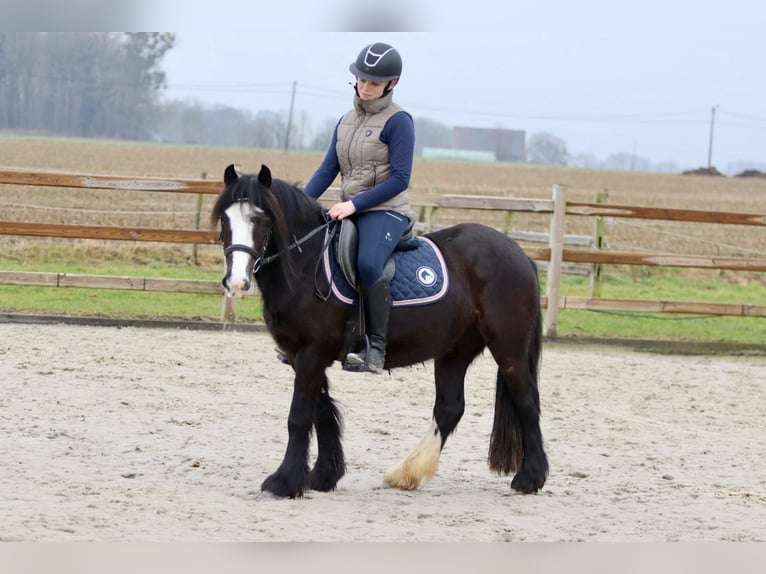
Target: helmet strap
[{"x": 389, "y": 86}]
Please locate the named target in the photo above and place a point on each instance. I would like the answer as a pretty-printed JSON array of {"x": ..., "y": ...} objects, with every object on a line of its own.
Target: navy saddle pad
[{"x": 421, "y": 276}]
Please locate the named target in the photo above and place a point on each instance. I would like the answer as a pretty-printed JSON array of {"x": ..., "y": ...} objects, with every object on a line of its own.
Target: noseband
[{"x": 259, "y": 258}]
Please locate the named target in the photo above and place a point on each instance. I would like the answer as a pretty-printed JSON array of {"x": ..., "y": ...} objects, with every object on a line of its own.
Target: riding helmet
[{"x": 378, "y": 63}]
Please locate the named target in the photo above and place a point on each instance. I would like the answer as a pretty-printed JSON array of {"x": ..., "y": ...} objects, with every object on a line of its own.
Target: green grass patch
[
  {"x": 662, "y": 326},
  {"x": 637, "y": 283},
  {"x": 121, "y": 303},
  {"x": 668, "y": 285}
]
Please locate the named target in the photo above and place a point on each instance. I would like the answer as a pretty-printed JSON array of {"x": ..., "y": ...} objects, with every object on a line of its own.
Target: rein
[{"x": 260, "y": 257}]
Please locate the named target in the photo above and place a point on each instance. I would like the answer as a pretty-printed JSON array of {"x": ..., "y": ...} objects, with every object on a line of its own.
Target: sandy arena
[{"x": 152, "y": 434}]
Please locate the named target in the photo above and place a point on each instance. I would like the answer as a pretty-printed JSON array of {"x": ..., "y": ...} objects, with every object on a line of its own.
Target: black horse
[{"x": 271, "y": 230}]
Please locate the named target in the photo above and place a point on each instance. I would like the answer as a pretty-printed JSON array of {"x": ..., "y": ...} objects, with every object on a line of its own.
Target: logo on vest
[
  {"x": 425, "y": 276},
  {"x": 368, "y": 133}
]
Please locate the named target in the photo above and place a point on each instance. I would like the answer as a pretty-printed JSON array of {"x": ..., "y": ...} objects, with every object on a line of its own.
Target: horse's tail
[{"x": 506, "y": 447}]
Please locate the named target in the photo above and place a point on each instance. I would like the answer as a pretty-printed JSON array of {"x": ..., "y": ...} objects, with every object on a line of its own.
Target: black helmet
[{"x": 377, "y": 62}]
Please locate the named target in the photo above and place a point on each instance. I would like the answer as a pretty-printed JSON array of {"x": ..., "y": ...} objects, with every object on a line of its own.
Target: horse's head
[
  {"x": 261, "y": 221},
  {"x": 245, "y": 212}
]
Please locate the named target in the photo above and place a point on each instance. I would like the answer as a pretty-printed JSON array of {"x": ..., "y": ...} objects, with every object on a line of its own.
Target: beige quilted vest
[{"x": 363, "y": 158}]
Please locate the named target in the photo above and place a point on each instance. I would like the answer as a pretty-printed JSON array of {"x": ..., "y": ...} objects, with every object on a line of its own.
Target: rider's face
[{"x": 369, "y": 90}]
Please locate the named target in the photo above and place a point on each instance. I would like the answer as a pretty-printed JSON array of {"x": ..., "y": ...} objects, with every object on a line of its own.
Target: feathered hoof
[
  {"x": 400, "y": 478},
  {"x": 527, "y": 484}
]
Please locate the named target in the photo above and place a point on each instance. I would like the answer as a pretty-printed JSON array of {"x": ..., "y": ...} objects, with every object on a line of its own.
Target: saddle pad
[{"x": 421, "y": 276}]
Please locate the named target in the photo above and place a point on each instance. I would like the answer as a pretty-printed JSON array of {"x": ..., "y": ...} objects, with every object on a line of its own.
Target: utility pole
[
  {"x": 710, "y": 144},
  {"x": 290, "y": 118}
]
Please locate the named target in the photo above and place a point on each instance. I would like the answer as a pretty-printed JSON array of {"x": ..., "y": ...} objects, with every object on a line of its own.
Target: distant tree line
[
  {"x": 82, "y": 84},
  {"x": 190, "y": 122},
  {"x": 110, "y": 85}
]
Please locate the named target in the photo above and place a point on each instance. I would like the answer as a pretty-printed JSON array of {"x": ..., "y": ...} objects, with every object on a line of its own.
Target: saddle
[
  {"x": 416, "y": 270},
  {"x": 423, "y": 278},
  {"x": 347, "y": 244}
]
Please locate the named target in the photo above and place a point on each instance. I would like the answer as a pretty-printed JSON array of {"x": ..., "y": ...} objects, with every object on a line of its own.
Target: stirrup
[
  {"x": 362, "y": 368},
  {"x": 360, "y": 362},
  {"x": 282, "y": 357},
  {"x": 356, "y": 359}
]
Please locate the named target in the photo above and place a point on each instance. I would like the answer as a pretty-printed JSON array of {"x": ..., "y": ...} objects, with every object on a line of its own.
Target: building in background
[
  {"x": 483, "y": 144},
  {"x": 507, "y": 145}
]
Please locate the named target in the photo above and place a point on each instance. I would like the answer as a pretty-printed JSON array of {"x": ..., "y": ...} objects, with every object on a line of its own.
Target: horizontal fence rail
[
  {"x": 123, "y": 183},
  {"x": 108, "y": 233},
  {"x": 663, "y": 260},
  {"x": 683, "y": 307},
  {"x": 110, "y": 282},
  {"x": 553, "y": 257},
  {"x": 689, "y": 215}
]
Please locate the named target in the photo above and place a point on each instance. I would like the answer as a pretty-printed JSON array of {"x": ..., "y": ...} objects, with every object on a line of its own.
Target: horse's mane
[{"x": 292, "y": 213}]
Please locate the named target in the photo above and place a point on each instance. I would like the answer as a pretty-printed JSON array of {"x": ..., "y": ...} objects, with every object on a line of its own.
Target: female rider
[{"x": 372, "y": 148}]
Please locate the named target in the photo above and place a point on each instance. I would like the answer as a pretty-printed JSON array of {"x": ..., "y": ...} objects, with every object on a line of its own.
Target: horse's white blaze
[
  {"x": 240, "y": 222},
  {"x": 420, "y": 465}
]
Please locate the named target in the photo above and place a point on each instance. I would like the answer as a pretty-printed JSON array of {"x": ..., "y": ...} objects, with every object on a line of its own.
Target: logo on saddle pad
[
  {"x": 426, "y": 276},
  {"x": 420, "y": 275}
]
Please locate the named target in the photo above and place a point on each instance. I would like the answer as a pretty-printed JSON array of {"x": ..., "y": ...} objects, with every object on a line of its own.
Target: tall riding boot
[{"x": 377, "y": 307}]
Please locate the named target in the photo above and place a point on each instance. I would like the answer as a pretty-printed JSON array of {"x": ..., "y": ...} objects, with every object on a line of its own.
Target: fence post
[
  {"x": 553, "y": 283},
  {"x": 227, "y": 303},
  {"x": 197, "y": 216},
  {"x": 508, "y": 214},
  {"x": 427, "y": 215},
  {"x": 227, "y": 310},
  {"x": 599, "y": 227}
]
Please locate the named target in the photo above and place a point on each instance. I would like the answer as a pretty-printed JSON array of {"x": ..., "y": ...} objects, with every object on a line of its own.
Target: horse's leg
[
  {"x": 291, "y": 478},
  {"x": 516, "y": 443},
  {"x": 420, "y": 465},
  {"x": 330, "y": 465}
]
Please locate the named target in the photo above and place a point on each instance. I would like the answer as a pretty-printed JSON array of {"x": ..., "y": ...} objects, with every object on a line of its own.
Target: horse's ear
[
  {"x": 264, "y": 177},
  {"x": 230, "y": 175}
]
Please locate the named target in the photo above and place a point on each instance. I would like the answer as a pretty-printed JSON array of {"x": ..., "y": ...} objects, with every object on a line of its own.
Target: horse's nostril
[{"x": 246, "y": 285}]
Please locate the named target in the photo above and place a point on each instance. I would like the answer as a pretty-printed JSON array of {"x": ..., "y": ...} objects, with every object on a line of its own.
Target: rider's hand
[{"x": 341, "y": 210}]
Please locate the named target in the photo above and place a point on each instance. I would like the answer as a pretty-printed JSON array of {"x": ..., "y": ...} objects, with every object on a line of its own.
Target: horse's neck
[
  {"x": 271, "y": 283},
  {"x": 275, "y": 278}
]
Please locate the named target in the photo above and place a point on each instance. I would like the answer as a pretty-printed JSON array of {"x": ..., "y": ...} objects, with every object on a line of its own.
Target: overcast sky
[{"x": 605, "y": 76}]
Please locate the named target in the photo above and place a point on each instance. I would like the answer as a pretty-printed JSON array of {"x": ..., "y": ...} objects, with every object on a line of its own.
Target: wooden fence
[
  {"x": 556, "y": 253},
  {"x": 561, "y": 248}
]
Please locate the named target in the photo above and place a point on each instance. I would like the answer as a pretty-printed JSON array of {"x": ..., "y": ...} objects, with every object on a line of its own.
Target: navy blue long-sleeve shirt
[{"x": 399, "y": 135}]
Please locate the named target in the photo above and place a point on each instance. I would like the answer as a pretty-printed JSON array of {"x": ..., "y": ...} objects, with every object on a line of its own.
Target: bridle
[{"x": 259, "y": 257}]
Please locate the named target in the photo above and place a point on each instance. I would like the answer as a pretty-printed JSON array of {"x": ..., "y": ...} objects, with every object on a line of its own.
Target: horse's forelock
[
  {"x": 244, "y": 189},
  {"x": 282, "y": 201}
]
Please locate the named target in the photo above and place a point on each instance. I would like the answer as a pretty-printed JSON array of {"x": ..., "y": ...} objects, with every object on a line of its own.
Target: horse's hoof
[
  {"x": 525, "y": 484},
  {"x": 399, "y": 479},
  {"x": 281, "y": 487},
  {"x": 324, "y": 482}
]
